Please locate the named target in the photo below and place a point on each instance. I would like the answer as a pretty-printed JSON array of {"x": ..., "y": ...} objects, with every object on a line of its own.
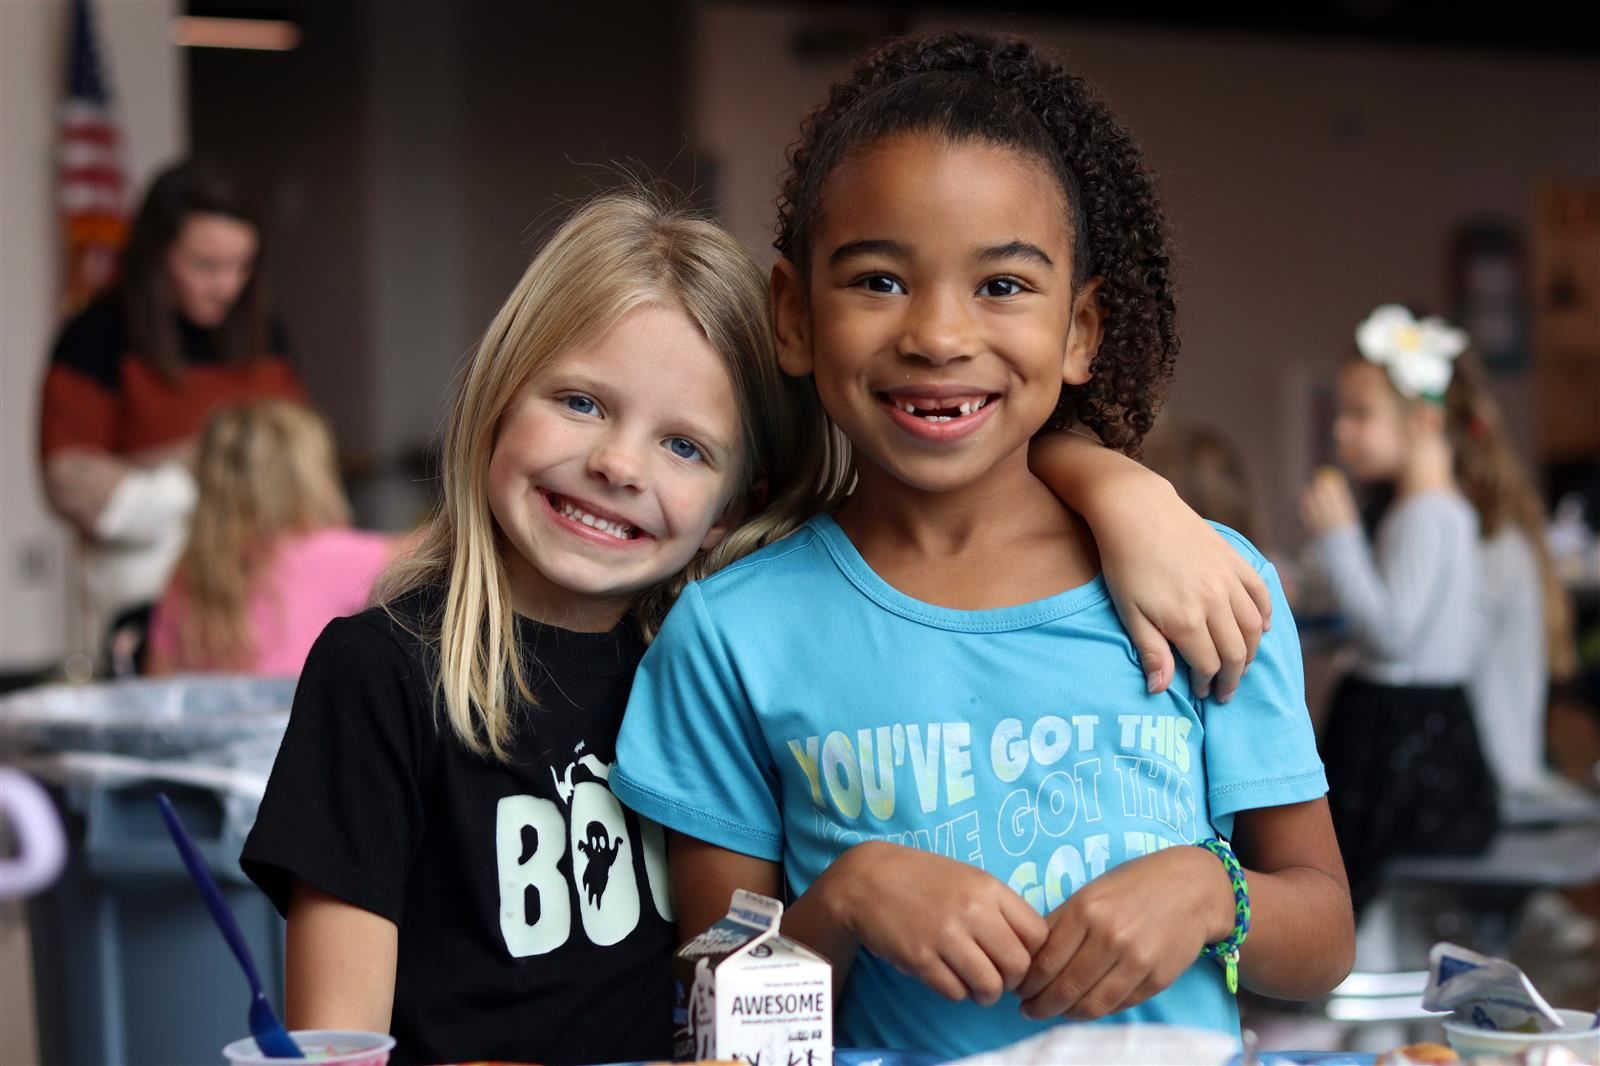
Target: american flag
[{"x": 93, "y": 205}]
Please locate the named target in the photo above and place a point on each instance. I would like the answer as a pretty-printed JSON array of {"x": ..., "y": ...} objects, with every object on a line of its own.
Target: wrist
[
  {"x": 1215, "y": 908},
  {"x": 1107, "y": 482}
]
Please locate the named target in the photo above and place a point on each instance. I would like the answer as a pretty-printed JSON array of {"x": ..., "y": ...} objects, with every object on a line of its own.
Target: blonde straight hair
[
  {"x": 264, "y": 470},
  {"x": 619, "y": 252}
]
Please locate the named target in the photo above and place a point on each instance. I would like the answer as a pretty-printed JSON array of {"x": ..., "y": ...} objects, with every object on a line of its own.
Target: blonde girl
[{"x": 271, "y": 557}]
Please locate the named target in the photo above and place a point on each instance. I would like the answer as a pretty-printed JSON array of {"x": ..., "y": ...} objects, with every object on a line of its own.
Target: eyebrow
[
  {"x": 1015, "y": 250},
  {"x": 856, "y": 249}
]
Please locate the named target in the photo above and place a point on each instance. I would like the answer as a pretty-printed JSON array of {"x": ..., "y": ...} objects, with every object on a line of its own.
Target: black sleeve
[
  {"x": 92, "y": 343},
  {"x": 343, "y": 808}
]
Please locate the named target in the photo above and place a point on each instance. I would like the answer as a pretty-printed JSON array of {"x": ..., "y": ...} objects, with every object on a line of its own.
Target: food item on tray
[{"x": 1424, "y": 1053}]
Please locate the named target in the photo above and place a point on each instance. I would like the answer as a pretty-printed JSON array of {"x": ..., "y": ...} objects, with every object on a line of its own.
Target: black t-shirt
[{"x": 532, "y": 907}]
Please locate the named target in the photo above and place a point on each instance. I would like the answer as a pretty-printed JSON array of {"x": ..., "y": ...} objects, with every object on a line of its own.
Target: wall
[
  {"x": 146, "y": 74},
  {"x": 290, "y": 127}
]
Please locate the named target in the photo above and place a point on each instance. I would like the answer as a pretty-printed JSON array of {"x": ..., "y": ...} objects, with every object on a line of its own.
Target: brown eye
[
  {"x": 1001, "y": 287},
  {"x": 882, "y": 284}
]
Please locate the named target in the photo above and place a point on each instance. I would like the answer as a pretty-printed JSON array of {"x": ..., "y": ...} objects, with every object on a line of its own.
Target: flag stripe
[{"x": 92, "y": 178}]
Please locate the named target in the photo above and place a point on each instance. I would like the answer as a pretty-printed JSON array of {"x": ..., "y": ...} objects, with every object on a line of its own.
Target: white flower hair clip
[{"x": 1419, "y": 356}]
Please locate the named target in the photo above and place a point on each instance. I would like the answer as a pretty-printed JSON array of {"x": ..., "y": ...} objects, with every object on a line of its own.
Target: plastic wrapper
[{"x": 1487, "y": 993}]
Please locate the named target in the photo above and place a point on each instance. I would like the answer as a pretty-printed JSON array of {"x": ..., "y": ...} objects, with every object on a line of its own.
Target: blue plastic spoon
[{"x": 264, "y": 1025}]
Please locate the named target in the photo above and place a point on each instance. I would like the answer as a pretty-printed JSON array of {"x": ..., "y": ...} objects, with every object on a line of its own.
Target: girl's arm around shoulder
[
  {"x": 339, "y": 964},
  {"x": 1171, "y": 575}
]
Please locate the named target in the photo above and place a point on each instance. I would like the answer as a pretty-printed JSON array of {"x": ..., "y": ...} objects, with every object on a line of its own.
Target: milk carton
[{"x": 745, "y": 992}]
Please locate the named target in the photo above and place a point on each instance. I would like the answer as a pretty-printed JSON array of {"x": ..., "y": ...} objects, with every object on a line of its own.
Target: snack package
[
  {"x": 745, "y": 992},
  {"x": 1484, "y": 992}
]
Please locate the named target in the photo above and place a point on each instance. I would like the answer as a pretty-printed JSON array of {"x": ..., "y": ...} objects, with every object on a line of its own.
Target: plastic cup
[
  {"x": 326, "y": 1047},
  {"x": 1576, "y": 1036}
]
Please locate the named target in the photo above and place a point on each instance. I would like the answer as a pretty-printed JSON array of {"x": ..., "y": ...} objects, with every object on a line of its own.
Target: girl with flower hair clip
[{"x": 1406, "y": 770}]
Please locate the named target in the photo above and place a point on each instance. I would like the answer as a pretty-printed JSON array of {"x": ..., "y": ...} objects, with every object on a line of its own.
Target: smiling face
[
  {"x": 613, "y": 467},
  {"x": 939, "y": 318}
]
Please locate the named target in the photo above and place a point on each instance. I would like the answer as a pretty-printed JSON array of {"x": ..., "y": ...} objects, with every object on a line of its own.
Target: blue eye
[
  {"x": 684, "y": 448},
  {"x": 1001, "y": 287},
  {"x": 580, "y": 403},
  {"x": 883, "y": 284}
]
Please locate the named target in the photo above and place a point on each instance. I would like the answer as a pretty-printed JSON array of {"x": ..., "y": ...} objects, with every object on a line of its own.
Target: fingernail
[
  {"x": 1224, "y": 697},
  {"x": 1152, "y": 681}
]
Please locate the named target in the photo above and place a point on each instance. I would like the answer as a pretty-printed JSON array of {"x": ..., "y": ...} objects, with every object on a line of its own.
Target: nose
[
  {"x": 939, "y": 328},
  {"x": 616, "y": 460}
]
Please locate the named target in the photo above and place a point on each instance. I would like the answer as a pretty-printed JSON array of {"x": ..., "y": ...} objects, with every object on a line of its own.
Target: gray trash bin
[{"x": 128, "y": 967}]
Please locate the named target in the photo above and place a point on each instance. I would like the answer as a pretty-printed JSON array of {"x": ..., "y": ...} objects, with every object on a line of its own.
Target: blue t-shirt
[{"x": 796, "y": 704}]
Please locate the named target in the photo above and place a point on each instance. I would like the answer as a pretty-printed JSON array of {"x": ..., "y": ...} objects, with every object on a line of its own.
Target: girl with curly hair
[{"x": 919, "y": 718}]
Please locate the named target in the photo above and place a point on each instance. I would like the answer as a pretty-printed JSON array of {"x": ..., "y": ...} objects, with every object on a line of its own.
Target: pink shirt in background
[{"x": 313, "y": 579}]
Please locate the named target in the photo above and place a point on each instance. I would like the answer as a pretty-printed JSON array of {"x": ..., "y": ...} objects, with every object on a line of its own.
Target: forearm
[
  {"x": 79, "y": 482},
  {"x": 704, "y": 878},
  {"x": 1302, "y": 934},
  {"x": 1359, "y": 590},
  {"x": 339, "y": 965},
  {"x": 818, "y": 920},
  {"x": 1082, "y": 472}
]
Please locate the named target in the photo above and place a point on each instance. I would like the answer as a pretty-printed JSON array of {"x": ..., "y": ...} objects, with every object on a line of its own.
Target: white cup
[
  {"x": 325, "y": 1047},
  {"x": 1578, "y": 1036}
]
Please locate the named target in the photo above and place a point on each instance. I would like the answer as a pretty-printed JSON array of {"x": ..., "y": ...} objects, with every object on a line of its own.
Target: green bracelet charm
[{"x": 1226, "y": 951}]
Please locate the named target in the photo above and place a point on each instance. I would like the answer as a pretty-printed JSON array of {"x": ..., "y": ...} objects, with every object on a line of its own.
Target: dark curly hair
[{"x": 1002, "y": 91}]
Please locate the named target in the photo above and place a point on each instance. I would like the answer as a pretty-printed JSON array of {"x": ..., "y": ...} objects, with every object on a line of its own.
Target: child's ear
[
  {"x": 789, "y": 323},
  {"x": 739, "y": 508},
  {"x": 1084, "y": 334}
]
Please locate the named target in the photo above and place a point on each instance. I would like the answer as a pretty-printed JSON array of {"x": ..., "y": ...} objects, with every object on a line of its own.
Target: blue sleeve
[
  {"x": 691, "y": 754},
  {"x": 1260, "y": 749}
]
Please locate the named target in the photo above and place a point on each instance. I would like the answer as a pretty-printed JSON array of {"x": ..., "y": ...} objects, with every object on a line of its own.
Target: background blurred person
[
  {"x": 1406, "y": 769},
  {"x": 134, "y": 376},
  {"x": 271, "y": 557}
]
